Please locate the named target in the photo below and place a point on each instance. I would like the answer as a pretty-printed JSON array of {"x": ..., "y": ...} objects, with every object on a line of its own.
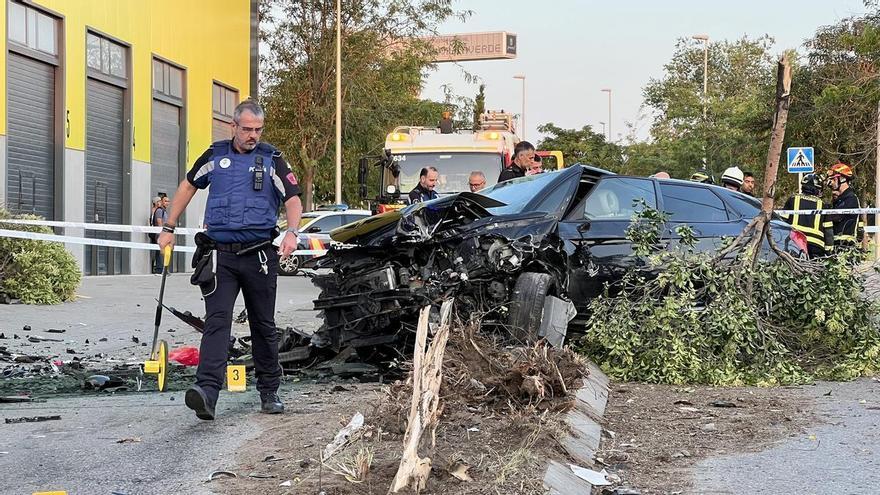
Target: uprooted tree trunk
[
  {"x": 759, "y": 228},
  {"x": 424, "y": 413}
]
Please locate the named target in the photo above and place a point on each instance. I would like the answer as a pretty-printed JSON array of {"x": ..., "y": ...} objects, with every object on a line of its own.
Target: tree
[
  {"x": 582, "y": 146},
  {"x": 739, "y": 105},
  {"x": 382, "y": 62},
  {"x": 479, "y": 105}
]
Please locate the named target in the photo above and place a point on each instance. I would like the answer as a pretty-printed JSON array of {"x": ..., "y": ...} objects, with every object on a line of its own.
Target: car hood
[{"x": 419, "y": 221}]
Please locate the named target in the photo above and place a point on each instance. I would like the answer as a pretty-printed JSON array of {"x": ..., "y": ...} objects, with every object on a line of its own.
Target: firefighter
[
  {"x": 732, "y": 179},
  {"x": 848, "y": 228},
  {"x": 817, "y": 229}
]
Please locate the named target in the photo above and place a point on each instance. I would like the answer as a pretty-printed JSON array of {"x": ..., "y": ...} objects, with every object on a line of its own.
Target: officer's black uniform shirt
[{"x": 511, "y": 172}]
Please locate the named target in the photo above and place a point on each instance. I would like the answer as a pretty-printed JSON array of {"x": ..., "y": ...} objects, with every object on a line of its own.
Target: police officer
[
  {"x": 848, "y": 228},
  {"x": 816, "y": 227},
  {"x": 424, "y": 190},
  {"x": 523, "y": 160},
  {"x": 249, "y": 180}
]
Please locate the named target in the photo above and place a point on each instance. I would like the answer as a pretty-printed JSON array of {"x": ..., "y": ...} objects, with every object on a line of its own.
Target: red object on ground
[{"x": 187, "y": 356}]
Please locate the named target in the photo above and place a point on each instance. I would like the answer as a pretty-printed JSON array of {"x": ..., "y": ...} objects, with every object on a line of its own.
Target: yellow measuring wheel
[{"x": 158, "y": 362}]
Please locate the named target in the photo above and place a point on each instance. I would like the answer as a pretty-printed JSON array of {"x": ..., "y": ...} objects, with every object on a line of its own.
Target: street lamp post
[
  {"x": 705, "y": 39},
  {"x": 608, "y": 90},
  {"x": 522, "y": 115}
]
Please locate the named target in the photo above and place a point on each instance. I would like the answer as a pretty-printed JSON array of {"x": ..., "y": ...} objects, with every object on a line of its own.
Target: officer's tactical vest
[
  {"x": 811, "y": 225},
  {"x": 233, "y": 203}
]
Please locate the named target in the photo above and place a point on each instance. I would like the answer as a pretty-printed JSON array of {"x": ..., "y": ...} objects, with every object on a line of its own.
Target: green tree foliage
[
  {"x": 582, "y": 146},
  {"x": 36, "y": 272},
  {"x": 739, "y": 109},
  {"x": 694, "y": 318},
  {"x": 835, "y": 97},
  {"x": 382, "y": 67},
  {"x": 479, "y": 105}
]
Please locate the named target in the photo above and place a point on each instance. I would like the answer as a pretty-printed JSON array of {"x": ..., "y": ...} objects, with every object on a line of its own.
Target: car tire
[
  {"x": 290, "y": 265},
  {"x": 527, "y": 305}
]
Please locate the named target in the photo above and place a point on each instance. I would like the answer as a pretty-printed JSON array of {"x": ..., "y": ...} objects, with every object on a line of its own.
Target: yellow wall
[{"x": 209, "y": 38}]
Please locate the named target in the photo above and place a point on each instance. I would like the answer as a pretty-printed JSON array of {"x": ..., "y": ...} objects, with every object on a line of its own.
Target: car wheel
[
  {"x": 527, "y": 305},
  {"x": 289, "y": 265}
]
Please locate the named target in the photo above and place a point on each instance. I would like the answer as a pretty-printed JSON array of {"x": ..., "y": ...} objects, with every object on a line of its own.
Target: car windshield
[
  {"x": 454, "y": 168},
  {"x": 516, "y": 193}
]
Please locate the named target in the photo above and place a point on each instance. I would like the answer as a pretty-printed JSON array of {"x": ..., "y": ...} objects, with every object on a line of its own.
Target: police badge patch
[
  {"x": 225, "y": 163},
  {"x": 292, "y": 179}
]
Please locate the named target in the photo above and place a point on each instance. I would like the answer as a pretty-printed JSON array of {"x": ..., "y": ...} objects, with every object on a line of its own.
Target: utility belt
[{"x": 204, "y": 262}]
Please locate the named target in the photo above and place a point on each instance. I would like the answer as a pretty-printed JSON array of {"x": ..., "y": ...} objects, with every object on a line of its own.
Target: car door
[
  {"x": 702, "y": 210},
  {"x": 594, "y": 233}
]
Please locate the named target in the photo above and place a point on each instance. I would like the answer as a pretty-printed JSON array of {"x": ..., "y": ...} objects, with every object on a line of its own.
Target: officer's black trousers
[{"x": 234, "y": 273}]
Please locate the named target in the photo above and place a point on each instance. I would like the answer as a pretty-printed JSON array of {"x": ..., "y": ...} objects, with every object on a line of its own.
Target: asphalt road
[
  {"x": 174, "y": 452},
  {"x": 840, "y": 454}
]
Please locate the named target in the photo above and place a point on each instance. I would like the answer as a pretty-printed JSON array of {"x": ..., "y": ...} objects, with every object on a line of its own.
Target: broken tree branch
[{"x": 424, "y": 413}]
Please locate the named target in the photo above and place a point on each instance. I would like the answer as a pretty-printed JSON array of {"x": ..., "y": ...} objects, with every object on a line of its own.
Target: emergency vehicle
[{"x": 454, "y": 153}]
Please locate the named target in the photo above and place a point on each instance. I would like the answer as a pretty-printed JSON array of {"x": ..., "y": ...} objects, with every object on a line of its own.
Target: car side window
[
  {"x": 326, "y": 224},
  {"x": 692, "y": 204},
  {"x": 615, "y": 198},
  {"x": 347, "y": 219},
  {"x": 557, "y": 199}
]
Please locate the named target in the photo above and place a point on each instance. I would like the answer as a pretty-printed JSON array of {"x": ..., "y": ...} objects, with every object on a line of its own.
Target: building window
[
  {"x": 224, "y": 102},
  {"x": 167, "y": 79},
  {"x": 105, "y": 56},
  {"x": 32, "y": 28}
]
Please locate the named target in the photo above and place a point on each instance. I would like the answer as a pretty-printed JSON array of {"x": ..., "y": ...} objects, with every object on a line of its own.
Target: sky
[{"x": 569, "y": 50}]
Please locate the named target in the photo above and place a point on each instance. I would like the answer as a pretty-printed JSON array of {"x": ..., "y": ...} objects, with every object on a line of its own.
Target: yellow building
[{"x": 106, "y": 103}]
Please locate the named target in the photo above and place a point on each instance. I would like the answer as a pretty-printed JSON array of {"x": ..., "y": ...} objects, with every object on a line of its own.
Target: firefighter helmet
[
  {"x": 811, "y": 184},
  {"x": 733, "y": 176},
  {"x": 840, "y": 169},
  {"x": 702, "y": 176}
]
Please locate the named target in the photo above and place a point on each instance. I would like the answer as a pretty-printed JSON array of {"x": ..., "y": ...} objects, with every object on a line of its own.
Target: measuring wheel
[{"x": 158, "y": 365}]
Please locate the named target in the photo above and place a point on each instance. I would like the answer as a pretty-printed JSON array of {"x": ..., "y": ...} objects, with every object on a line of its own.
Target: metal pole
[
  {"x": 338, "y": 101},
  {"x": 705, "y": 76},
  {"x": 609, "y": 116},
  {"x": 524, "y": 108},
  {"x": 877, "y": 190}
]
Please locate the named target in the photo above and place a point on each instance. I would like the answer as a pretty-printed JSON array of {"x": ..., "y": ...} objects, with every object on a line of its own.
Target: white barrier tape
[
  {"x": 18, "y": 234},
  {"x": 842, "y": 211},
  {"x": 112, "y": 227}
]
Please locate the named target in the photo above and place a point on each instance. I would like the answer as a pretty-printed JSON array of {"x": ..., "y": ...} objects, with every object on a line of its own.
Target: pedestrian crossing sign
[{"x": 800, "y": 160}]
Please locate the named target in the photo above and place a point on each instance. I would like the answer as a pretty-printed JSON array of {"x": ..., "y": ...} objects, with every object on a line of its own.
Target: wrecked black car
[{"x": 526, "y": 254}]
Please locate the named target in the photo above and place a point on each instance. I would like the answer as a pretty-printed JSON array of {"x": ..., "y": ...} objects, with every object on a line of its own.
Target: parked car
[
  {"x": 516, "y": 252},
  {"x": 314, "y": 228}
]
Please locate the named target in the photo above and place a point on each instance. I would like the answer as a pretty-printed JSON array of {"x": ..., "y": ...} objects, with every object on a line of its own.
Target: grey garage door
[
  {"x": 30, "y": 179},
  {"x": 220, "y": 130},
  {"x": 165, "y": 149},
  {"x": 104, "y": 174}
]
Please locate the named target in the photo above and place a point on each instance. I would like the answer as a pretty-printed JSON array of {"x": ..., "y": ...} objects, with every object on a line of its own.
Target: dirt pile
[{"x": 500, "y": 415}]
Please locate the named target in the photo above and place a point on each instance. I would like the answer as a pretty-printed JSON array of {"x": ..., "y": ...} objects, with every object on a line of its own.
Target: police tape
[
  {"x": 842, "y": 211},
  {"x": 19, "y": 234},
  {"x": 88, "y": 241},
  {"x": 112, "y": 227}
]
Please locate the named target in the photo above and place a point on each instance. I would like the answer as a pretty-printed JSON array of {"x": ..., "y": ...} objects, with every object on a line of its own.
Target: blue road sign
[{"x": 800, "y": 160}]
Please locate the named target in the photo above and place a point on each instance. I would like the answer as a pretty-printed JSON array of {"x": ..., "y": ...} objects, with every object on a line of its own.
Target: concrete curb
[{"x": 583, "y": 438}]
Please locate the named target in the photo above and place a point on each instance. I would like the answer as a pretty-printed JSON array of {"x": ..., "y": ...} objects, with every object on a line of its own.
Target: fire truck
[{"x": 454, "y": 153}]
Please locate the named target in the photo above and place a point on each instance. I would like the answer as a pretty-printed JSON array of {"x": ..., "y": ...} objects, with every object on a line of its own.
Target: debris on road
[
  {"x": 32, "y": 419},
  {"x": 187, "y": 356},
  {"x": 594, "y": 478},
  {"x": 217, "y": 475},
  {"x": 129, "y": 440},
  {"x": 14, "y": 399},
  {"x": 102, "y": 382},
  {"x": 344, "y": 436},
  {"x": 56, "y": 330}
]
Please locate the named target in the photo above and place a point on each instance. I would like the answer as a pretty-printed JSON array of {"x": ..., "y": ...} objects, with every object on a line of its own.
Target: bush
[
  {"x": 37, "y": 272},
  {"x": 730, "y": 322}
]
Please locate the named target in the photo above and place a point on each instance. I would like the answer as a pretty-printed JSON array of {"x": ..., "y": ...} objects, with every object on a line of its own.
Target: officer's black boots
[
  {"x": 197, "y": 400},
  {"x": 271, "y": 403}
]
